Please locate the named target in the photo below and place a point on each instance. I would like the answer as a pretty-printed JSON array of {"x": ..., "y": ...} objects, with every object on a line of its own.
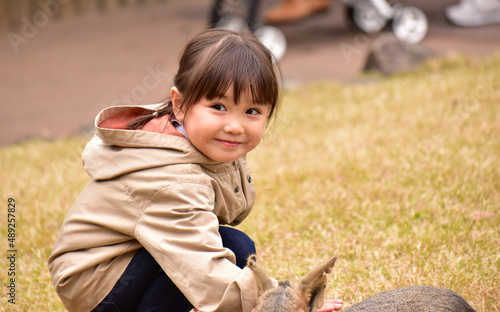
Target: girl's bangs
[{"x": 248, "y": 71}]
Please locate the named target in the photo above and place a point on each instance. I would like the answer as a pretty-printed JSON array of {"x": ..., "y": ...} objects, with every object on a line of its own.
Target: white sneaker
[{"x": 474, "y": 12}]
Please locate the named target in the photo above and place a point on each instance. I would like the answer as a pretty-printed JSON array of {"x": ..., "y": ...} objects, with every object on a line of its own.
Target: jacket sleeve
[{"x": 180, "y": 231}]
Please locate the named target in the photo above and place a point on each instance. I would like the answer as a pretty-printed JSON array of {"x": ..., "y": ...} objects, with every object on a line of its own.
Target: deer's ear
[
  {"x": 264, "y": 283},
  {"x": 312, "y": 286}
]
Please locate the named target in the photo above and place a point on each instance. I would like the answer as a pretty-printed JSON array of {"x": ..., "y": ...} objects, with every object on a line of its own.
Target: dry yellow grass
[{"x": 400, "y": 178}]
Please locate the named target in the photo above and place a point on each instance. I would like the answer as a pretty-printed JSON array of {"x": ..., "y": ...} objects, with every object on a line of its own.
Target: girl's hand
[{"x": 331, "y": 305}]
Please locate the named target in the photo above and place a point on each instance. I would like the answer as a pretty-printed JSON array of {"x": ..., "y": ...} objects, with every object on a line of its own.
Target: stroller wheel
[
  {"x": 366, "y": 17},
  {"x": 270, "y": 36},
  {"x": 409, "y": 24},
  {"x": 273, "y": 39}
]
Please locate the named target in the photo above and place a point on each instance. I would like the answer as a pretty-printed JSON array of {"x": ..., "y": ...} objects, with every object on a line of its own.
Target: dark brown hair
[{"x": 216, "y": 59}]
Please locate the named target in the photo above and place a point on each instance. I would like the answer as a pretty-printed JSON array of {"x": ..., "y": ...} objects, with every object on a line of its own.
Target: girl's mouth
[{"x": 229, "y": 144}]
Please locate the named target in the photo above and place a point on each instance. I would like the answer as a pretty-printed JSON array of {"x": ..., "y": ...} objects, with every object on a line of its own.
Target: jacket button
[
  {"x": 237, "y": 189},
  {"x": 249, "y": 178}
]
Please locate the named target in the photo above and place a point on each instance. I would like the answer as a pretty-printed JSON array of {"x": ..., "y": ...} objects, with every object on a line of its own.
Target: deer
[{"x": 308, "y": 295}]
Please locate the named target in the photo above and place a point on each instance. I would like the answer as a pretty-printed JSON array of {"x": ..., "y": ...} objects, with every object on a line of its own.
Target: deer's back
[{"x": 414, "y": 298}]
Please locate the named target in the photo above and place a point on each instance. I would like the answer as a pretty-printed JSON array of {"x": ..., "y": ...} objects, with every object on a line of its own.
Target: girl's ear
[{"x": 176, "y": 98}]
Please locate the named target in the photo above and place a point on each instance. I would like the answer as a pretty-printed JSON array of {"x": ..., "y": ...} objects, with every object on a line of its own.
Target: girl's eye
[
  {"x": 253, "y": 111},
  {"x": 219, "y": 107}
]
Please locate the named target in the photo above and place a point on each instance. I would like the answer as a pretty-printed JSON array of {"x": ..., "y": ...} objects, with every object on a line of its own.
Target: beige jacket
[{"x": 153, "y": 190}]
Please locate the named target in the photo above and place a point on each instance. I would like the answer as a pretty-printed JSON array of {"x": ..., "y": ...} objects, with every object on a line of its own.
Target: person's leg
[
  {"x": 294, "y": 10},
  {"x": 131, "y": 286},
  {"x": 239, "y": 243},
  {"x": 155, "y": 299},
  {"x": 163, "y": 296},
  {"x": 144, "y": 286}
]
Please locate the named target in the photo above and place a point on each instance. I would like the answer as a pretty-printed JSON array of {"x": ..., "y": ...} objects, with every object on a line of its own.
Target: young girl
[{"x": 145, "y": 234}]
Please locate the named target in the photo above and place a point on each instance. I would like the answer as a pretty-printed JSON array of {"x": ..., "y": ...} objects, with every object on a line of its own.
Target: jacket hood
[{"x": 116, "y": 150}]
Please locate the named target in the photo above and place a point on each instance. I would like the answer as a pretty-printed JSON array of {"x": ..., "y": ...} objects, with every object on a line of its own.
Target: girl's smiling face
[{"x": 221, "y": 129}]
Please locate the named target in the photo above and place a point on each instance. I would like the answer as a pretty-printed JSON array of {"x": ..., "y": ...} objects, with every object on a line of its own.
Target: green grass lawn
[{"x": 400, "y": 178}]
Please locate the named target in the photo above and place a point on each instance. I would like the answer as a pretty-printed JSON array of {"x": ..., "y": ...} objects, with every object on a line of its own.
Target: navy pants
[{"x": 145, "y": 287}]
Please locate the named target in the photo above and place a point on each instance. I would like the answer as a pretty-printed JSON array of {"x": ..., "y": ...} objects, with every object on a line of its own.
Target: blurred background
[{"x": 61, "y": 61}]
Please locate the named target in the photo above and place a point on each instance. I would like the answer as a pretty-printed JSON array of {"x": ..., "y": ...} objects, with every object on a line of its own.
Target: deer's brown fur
[{"x": 308, "y": 296}]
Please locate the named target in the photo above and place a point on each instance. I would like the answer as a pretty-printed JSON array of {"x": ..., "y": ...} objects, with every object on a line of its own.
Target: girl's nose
[{"x": 234, "y": 127}]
